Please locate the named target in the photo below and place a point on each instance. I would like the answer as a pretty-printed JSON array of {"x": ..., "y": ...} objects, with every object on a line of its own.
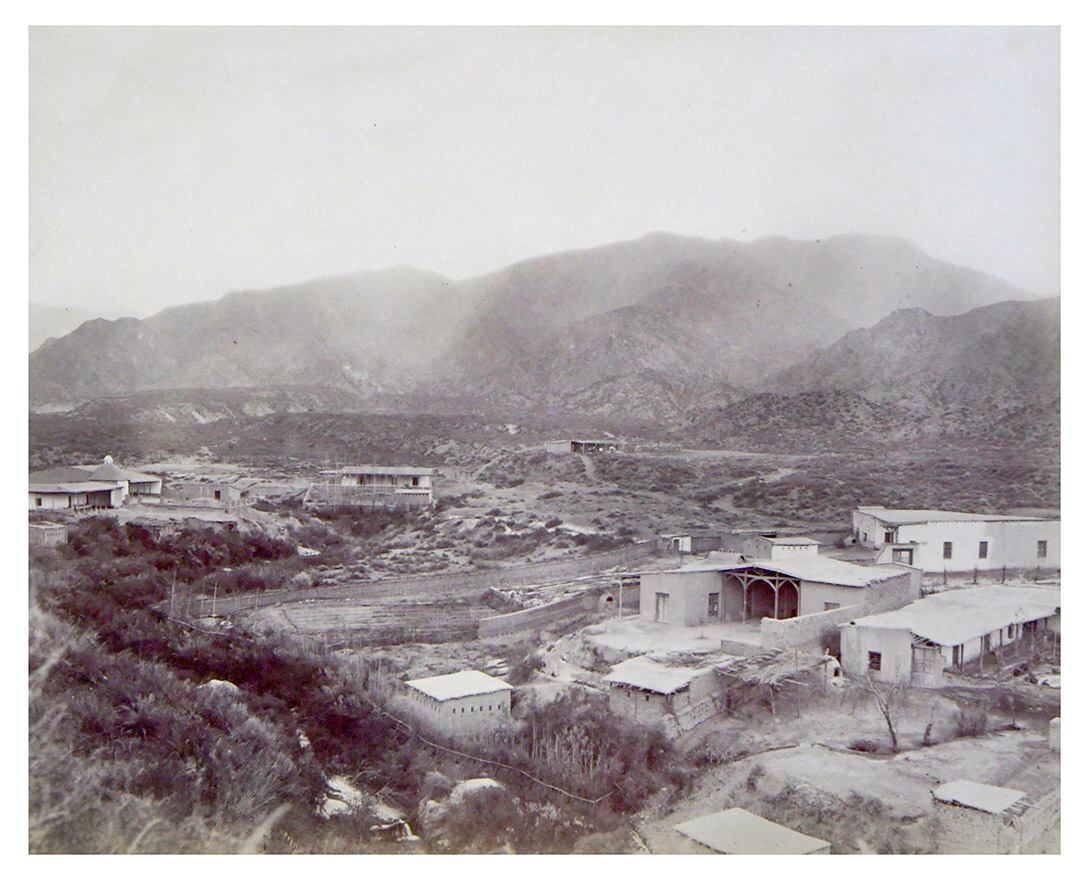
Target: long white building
[{"x": 953, "y": 541}]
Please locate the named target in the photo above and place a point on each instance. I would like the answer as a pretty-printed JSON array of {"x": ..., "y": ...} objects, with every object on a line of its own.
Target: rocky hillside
[
  {"x": 999, "y": 356},
  {"x": 651, "y": 327}
]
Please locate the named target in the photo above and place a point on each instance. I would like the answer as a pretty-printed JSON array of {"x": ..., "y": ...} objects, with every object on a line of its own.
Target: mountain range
[{"x": 664, "y": 328}]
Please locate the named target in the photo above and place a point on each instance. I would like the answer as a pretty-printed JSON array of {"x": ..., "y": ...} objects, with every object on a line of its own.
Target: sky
[{"x": 170, "y": 165}]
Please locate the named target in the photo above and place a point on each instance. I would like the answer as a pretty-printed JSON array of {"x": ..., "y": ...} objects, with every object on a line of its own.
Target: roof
[
  {"x": 820, "y": 569},
  {"x": 956, "y": 616},
  {"x": 466, "y": 683},
  {"x": 386, "y": 471},
  {"x": 738, "y": 832},
  {"x": 901, "y": 516},
  {"x": 790, "y": 542},
  {"x": 105, "y": 472},
  {"x": 978, "y": 796},
  {"x": 47, "y": 525},
  {"x": 59, "y": 475},
  {"x": 72, "y": 488},
  {"x": 651, "y": 675}
]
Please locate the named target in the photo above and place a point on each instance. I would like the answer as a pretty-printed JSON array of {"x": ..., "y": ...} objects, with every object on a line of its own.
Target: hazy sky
[{"x": 173, "y": 164}]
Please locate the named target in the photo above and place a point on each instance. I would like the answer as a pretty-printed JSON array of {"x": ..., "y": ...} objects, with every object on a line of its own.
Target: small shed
[
  {"x": 972, "y": 817},
  {"x": 739, "y": 832},
  {"x": 47, "y": 534},
  {"x": 462, "y": 705}
]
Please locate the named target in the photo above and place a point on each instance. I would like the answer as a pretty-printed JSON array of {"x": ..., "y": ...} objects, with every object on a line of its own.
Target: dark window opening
[
  {"x": 1042, "y": 549},
  {"x": 983, "y": 552},
  {"x": 874, "y": 660},
  {"x": 948, "y": 549}
]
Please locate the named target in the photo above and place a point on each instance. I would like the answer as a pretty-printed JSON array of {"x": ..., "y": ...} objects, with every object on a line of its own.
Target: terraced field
[{"x": 380, "y": 621}]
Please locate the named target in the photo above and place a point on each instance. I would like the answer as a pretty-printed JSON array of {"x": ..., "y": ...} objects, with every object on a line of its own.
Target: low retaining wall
[
  {"x": 561, "y": 609},
  {"x": 538, "y": 572},
  {"x": 798, "y": 632}
]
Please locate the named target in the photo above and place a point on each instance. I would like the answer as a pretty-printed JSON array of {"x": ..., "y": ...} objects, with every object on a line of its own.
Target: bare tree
[{"x": 889, "y": 697}]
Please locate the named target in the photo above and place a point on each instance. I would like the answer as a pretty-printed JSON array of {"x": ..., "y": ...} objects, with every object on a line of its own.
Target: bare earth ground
[{"x": 816, "y": 761}]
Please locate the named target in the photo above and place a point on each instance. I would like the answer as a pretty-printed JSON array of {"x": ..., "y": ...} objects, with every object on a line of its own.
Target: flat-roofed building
[
  {"x": 954, "y": 541},
  {"x": 976, "y": 818},
  {"x": 461, "y": 705},
  {"x": 47, "y": 534},
  {"x": 918, "y": 642},
  {"x": 583, "y": 446},
  {"x": 375, "y": 486},
  {"x": 739, "y": 832}
]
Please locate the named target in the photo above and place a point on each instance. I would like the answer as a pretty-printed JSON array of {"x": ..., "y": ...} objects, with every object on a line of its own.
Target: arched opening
[
  {"x": 787, "y": 601},
  {"x": 760, "y": 599}
]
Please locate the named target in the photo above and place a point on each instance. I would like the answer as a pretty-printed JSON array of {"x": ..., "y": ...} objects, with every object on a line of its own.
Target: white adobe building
[
  {"x": 915, "y": 644},
  {"x": 720, "y": 589},
  {"x": 379, "y": 486},
  {"x": 461, "y": 705},
  {"x": 90, "y": 486},
  {"x": 952, "y": 541}
]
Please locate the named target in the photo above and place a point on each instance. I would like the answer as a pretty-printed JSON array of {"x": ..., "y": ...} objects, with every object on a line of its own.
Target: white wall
[
  {"x": 1011, "y": 543},
  {"x": 476, "y": 715}
]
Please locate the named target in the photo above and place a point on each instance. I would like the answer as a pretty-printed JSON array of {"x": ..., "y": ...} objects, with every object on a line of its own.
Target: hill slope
[{"x": 645, "y": 324}]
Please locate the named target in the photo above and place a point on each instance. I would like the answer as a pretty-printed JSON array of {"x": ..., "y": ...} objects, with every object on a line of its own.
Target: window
[
  {"x": 830, "y": 606},
  {"x": 982, "y": 551},
  {"x": 948, "y": 549},
  {"x": 1042, "y": 549},
  {"x": 37, "y": 502},
  {"x": 863, "y": 537},
  {"x": 714, "y": 604},
  {"x": 888, "y": 537},
  {"x": 874, "y": 660},
  {"x": 414, "y": 481}
]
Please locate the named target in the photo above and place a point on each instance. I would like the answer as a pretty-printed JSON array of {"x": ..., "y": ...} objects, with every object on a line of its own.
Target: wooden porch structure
[{"x": 754, "y": 580}]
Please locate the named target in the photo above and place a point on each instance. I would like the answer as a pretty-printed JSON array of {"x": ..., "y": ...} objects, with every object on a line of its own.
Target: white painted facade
[
  {"x": 963, "y": 543},
  {"x": 441, "y": 706}
]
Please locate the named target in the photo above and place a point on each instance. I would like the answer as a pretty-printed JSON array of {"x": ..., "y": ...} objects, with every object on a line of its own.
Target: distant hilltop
[{"x": 661, "y": 328}]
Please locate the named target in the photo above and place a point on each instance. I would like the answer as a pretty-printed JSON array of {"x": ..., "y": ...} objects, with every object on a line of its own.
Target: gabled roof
[
  {"x": 738, "y": 832},
  {"x": 978, "y": 796},
  {"x": 466, "y": 683},
  {"x": 902, "y": 516},
  {"x": 956, "y": 616}
]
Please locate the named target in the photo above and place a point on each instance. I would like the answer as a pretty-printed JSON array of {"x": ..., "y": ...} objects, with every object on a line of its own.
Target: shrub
[{"x": 971, "y": 722}]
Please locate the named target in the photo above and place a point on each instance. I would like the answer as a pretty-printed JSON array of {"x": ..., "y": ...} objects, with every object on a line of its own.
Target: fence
[{"x": 520, "y": 575}]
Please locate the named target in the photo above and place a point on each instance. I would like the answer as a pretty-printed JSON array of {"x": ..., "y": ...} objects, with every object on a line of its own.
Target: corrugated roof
[
  {"x": 386, "y": 471},
  {"x": 956, "y": 616},
  {"x": 902, "y": 516},
  {"x": 466, "y": 683},
  {"x": 978, "y": 796},
  {"x": 651, "y": 675},
  {"x": 820, "y": 569},
  {"x": 738, "y": 832}
]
